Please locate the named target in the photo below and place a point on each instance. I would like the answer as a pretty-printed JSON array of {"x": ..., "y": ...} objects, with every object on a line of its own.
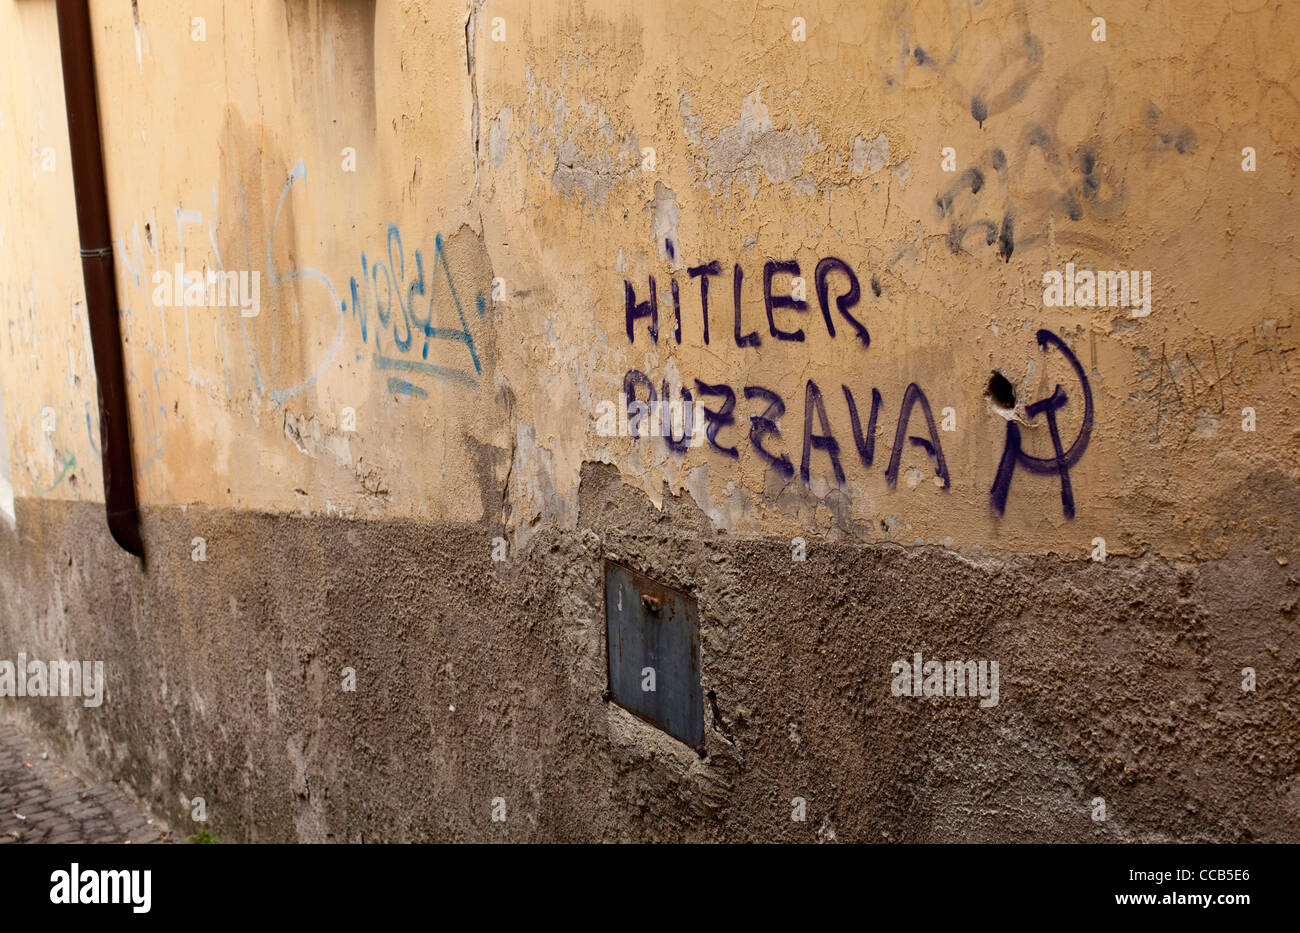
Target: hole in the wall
[{"x": 1001, "y": 391}]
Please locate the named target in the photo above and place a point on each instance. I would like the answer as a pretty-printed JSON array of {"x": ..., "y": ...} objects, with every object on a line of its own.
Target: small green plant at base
[{"x": 203, "y": 837}]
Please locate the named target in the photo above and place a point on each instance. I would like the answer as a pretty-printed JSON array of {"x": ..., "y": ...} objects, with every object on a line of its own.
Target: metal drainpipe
[{"x": 97, "y": 269}]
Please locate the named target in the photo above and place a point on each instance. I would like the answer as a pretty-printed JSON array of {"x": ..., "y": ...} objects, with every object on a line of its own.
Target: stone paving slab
[{"x": 42, "y": 801}]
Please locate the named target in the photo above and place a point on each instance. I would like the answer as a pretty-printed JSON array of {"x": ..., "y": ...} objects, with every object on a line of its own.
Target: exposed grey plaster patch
[
  {"x": 311, "y": 438},
  {"x": 535, "y": 489},
  {"x": 559, "y": 112},
  {"x": 859, "y": 155},
  {"x": 728, "y": 511},
  {"x": 902, "y": 172},
  {"x": 664, "y": 225},
  {"x": 576, "y": 174},
  {"x": 578, "y": 148},
  {"x": 873, "y": 156},
  {"x": 749, "y": 148},
  {"x": 499, "y": 136}
]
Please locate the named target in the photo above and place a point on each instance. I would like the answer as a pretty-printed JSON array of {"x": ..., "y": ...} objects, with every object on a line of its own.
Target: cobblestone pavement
[{"x": 40, "y": 801}]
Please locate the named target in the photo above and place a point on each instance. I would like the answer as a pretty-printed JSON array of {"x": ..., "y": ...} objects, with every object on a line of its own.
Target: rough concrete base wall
[{"x": 1118, "y": 680}]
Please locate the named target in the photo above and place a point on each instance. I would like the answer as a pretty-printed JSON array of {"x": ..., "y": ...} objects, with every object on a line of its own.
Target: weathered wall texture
[{"x": 455, "y": 219}]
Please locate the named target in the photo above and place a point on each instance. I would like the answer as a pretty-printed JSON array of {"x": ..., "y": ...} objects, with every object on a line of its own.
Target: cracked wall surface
[{"x": 455, "y": 213}]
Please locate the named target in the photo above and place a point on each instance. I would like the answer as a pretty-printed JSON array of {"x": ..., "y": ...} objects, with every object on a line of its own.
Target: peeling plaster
[{"x": 750, "y": 149}]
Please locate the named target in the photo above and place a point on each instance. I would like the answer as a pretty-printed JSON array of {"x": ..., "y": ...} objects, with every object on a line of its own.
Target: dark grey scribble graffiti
[{"x": 1030, "y": 180}]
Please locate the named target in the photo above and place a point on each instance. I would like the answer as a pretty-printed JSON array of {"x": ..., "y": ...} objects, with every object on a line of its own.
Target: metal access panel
[{"x": 653, "y": 642}]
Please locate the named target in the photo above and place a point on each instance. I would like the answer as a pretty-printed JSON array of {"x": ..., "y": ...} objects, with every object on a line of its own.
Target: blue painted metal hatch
[{"x": 653, "y": 645}]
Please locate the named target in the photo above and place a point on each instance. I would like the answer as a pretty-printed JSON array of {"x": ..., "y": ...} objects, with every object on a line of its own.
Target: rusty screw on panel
[{"x": 651, "y": 603}]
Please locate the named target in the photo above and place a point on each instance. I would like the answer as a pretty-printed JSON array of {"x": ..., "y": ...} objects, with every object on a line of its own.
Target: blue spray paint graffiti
[
  {"x": 411, "y": 323},
  {"x": 395, "y": 314}
]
